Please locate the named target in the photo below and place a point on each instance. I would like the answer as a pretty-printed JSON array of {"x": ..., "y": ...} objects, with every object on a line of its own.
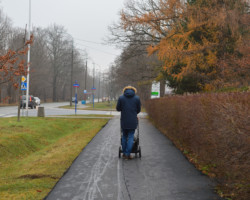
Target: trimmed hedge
[{"x": 213, "y": 130}]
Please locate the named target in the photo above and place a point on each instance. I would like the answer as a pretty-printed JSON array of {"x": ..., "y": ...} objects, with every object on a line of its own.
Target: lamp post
[
  {"x": 28, "y": 62},
  {"x": 99, "y": 86},
  {"x": 93, "y": 88},
  {"x": 85, "y": 85},
  {"x": 71, "y": 77},
  {"x": 71, "y": 69}
]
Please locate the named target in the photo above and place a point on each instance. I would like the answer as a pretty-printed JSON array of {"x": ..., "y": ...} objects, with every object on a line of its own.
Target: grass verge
[
  {"x": 105, "y": 106},
  {"x": 35, "y": 152},
  {"x": 83, "y": 116}
]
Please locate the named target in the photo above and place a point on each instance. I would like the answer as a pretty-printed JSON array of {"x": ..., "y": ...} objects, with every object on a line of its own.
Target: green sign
[{"x": 154, "y": 93}]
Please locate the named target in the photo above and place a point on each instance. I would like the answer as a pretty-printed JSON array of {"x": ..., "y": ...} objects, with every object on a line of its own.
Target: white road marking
[
  {"x": 118, "y": 180},
  {"x": 98, "y": 170}
]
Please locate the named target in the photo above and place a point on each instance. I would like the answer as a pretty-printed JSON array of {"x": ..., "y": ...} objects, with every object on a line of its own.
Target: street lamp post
[
  {"x": 85, "y": 85},
  {"x": 99, "y": 87},
  {"x": 93, "y": 89},
  {"x": 28, "y": 62},
  {"x": 71, "y": 77},
  {"x": 71, "y": 69}
]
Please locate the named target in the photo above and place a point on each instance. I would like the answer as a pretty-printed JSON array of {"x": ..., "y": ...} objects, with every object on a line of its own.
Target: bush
[{"x": 213, "y": 130}]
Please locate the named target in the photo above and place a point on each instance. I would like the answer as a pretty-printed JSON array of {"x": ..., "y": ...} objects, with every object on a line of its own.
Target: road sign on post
[
  {"x": 23, "y": 79},
  {"x": 93, "y": 89},
  {"x": 155, "y": 90},
  {"x": 76, "y": 85},
  {"x": 23, "y": 86}
]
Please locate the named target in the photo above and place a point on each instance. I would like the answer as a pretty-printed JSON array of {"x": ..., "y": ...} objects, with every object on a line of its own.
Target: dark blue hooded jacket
[{"x": 130, "y": 105}]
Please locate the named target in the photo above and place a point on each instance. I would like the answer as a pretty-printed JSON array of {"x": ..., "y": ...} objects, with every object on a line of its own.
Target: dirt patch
[{"x": 37, "y": 176}]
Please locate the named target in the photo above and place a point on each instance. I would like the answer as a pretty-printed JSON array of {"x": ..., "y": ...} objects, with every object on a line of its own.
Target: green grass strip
[
  {"x": 105, "y": 106},
  {"x": 35, "y": 152}
]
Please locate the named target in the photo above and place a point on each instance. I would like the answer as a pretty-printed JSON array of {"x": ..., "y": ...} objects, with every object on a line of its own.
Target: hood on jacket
[
  {"x": 129, "y": 87},
  {"x": 129, "y": 91}
]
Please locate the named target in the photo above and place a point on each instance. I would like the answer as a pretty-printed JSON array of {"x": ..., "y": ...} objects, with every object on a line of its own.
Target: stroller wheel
[
  {"x": 139, "y": 151},
  {"x": 120, "y": 151}
]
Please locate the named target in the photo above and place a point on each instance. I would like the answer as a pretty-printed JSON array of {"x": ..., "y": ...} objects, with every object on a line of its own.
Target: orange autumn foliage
[
  {"x": 205, "y": 37},
  {"x": 12, "y": 66}
]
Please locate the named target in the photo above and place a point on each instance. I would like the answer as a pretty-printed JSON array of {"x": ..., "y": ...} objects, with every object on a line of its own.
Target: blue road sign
[
  {"x": 23, "y": 86},
  {"x": 76, "y": 85},
  {"x": 93, "y": 88}
]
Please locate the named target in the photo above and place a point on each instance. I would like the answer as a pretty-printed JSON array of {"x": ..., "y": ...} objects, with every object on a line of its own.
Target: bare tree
[
  {"x": 5, "y": 29},
  {"x": 58, "y": 49},
  {"x": 40, "y": 73},
  {"x": 138, "y": 70}
]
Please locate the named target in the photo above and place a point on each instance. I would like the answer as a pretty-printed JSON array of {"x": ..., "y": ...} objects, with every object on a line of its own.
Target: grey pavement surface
[
  {"x": 162, "y": 173},
  {"x": 52, "y": 109}
]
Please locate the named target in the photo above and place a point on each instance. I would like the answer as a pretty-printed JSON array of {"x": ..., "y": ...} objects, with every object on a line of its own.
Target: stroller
[{"x": 136, "y": 149}]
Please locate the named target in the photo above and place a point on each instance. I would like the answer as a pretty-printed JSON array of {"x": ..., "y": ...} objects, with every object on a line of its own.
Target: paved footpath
[{"x": 162, "y": 173}]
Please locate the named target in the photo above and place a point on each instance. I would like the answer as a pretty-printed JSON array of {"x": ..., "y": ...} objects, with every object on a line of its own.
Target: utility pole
[
  {"x": 28, "y": 62},
  {"x": 86, "y": 72},
  {"x": 93, "y": 91},
  {"x": 71, "y": 78},
  {"x": 94, "y": 76},
  {"x": 20, "y": 82},
  {"x": 103, "y": 87},
  {"x": 99, "y": 87}
]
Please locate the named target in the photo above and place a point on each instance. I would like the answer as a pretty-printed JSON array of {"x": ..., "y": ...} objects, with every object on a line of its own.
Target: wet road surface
[{"x": 162, "y": 173}]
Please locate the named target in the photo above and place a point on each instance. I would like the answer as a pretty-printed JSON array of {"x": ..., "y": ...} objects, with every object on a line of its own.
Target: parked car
[
  {"x": 37, "y": 100},
  {"x": 74, "y": 99},
  {"x": 31, "y": 103}
]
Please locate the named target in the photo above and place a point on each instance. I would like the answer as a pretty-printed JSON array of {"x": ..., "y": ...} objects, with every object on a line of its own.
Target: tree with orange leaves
[
  {"x": 12, "y": 66},
  {"x": 205, "y": 40}
]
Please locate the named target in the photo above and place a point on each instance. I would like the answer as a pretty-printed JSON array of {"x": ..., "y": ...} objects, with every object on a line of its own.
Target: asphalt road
[
  {"x": 51, "y": 109},
  {"x": 162, "y": 173}
]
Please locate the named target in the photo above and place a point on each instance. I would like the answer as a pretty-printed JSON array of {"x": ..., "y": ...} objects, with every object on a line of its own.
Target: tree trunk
[
  {"x": 54, "y": 88},
  {"x": 162, "y": 87},
  {"x": 0, "y": 94}
]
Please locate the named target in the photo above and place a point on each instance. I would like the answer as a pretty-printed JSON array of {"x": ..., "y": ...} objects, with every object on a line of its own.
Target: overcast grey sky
[{"x": 84, "y": 19}]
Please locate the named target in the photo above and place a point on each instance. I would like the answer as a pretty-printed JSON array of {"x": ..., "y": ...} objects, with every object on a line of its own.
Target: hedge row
[{"x": 213, "y": 130}]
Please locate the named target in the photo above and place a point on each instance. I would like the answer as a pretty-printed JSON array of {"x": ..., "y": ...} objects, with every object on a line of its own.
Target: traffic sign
[
  {"x": 84, "y": 91},
  {"x": 76, "y": 85},
  {"x": 155, "y": 90},
  {"x": 93, "y": 88},
  {"x": 23, "y": 79},
  {"x": 23, "y": 86},
  {"x": 154, "y": 93}
]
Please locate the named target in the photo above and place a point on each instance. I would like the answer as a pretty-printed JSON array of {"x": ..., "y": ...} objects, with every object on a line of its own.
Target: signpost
[
  {"x": 23, "y": 79},
  {"x": 93, "y": 89},
  {"x": 85, "y": 92},
  {"x": 76, "y": 85},
  {"x": 155, "y": 90},
  {"x": 23, "y": 88}
]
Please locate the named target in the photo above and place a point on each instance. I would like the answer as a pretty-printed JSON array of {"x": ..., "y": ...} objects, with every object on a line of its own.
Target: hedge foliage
[{"x": 213, "y": 130}]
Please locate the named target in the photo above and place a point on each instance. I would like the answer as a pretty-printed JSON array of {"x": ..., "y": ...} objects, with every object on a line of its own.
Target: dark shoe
[
  {"x": 124, "y": 156},
  {"x": 130, "y": 157}
]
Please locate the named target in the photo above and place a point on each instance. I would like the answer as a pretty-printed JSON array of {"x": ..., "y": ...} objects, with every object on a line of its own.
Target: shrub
[{"x": 213, "y": 130}]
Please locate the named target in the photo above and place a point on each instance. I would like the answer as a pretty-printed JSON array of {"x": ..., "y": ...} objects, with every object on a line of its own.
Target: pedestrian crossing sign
[{"x": 24, "y": 86}]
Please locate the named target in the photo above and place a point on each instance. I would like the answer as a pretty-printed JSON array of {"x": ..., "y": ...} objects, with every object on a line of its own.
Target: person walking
[{"x": 129, "y": 105}]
